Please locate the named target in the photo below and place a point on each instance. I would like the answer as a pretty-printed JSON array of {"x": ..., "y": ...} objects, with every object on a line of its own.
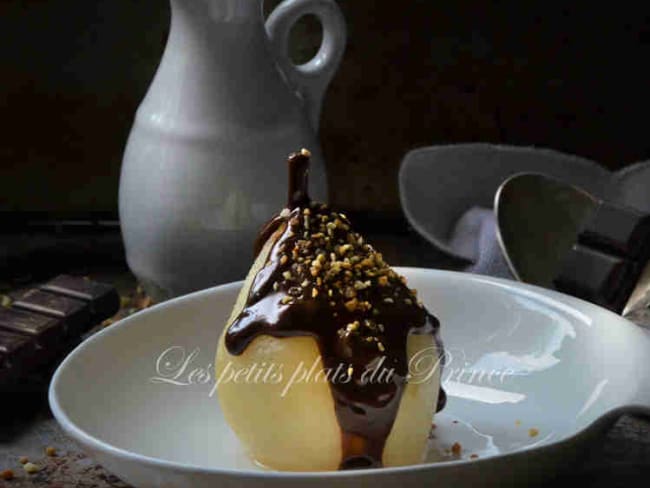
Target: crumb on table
[
  {"x": 456, "y": 449},
  {"x": 533, "y": 432},
  {"x": 31, "y": 468},
  {"x": 6, "y": 475}
]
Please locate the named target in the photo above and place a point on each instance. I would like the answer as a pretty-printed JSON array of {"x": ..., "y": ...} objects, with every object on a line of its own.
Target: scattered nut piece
[
  {"x": 142, "y": 302},
  {"x": 31, "y": 468},
  {"x": 6, "y": 475},
  {"x": 5, "y": 301},
  {"x": 474, "y": 456},
  {"x": 456, "y": 449},
  {"x": 23, "y": 459},
  {"x": 533, "y": 432},
  {"x": 50, "y": 451}
]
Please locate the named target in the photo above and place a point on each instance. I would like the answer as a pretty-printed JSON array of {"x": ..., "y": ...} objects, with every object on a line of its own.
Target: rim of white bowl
[{"x": 550, "y": 297}]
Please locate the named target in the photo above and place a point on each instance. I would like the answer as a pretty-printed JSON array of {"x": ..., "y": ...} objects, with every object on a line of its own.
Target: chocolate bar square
[
  {"x": 75, "y": 312},
  {"x": 48, "y": 331},
  {"x": 102, "y": 298}
]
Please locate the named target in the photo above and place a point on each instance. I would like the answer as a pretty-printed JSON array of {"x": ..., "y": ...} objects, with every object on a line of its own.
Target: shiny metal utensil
[{"x": 559, "y": 236}]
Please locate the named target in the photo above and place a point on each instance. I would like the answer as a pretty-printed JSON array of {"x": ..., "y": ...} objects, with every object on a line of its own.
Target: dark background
[{"x": 571, "y": 77}]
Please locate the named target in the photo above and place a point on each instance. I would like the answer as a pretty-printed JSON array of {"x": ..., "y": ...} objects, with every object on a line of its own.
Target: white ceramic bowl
[{"x": 137, "y": 396}]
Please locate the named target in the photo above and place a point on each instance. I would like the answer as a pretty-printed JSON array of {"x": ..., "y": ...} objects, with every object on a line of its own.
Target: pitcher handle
[{"x": 311, "y": 78}]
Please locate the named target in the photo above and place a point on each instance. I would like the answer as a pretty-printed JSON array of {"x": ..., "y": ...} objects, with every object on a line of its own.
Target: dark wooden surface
[{"x": 621, "y": 458}]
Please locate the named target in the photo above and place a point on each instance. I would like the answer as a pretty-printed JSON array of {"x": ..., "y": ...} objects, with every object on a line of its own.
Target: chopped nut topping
[
  {"x": 351, "y": 327},
  {"x": 286, "y": 300},
  {"x": 344, "y": 248},
  {"x": 351, "y": 305},
  {"x": 284, "y": 259},
  {"x": 314, "y": 292}
]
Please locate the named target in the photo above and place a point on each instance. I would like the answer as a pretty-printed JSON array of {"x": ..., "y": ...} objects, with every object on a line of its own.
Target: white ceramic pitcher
[{"x": 204, "y": 165}]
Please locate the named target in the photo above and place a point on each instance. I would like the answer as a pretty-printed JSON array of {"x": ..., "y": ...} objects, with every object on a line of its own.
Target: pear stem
[{"x": 298, "y": 179}]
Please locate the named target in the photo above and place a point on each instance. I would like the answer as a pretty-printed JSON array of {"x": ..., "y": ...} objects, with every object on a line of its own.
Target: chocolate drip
[{"x": 358, "y": 310}]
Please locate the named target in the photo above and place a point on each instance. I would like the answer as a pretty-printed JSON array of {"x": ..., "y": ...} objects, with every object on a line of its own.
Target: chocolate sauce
[{"x": 321, "y": 280}]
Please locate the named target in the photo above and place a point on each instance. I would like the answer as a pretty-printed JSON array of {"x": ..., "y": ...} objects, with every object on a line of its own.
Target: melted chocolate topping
[{"x": 322, "y": 280}]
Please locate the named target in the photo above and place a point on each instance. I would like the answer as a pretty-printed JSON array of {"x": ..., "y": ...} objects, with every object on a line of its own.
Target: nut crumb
[
  {"x": 533, "y": 432},
  {"x": 7, "y": 475},
  {"x": 50, "y": 451},
  {"x": 31, "y": 468},
  {"x": 474, "y": 456},
  {"x": 456, "y": 449},
  {"x": 23, "y": 459}
]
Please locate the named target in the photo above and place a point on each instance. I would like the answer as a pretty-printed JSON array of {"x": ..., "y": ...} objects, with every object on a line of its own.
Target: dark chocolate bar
[
  {"x": 74, "y": 313},
  {"x": 44, "y": 322},
  {"x": 101, "y": 297},
  {"x": 612, "y": 249},
  {"x": 596, "y": 276},
  {"x": 618, "y": 230}
]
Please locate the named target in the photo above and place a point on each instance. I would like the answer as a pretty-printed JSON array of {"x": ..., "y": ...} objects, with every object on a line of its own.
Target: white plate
[{"x": 549, "y": 362}]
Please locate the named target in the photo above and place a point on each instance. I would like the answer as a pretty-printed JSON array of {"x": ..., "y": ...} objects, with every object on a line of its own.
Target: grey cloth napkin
[{"x": 475, "y": 234}]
